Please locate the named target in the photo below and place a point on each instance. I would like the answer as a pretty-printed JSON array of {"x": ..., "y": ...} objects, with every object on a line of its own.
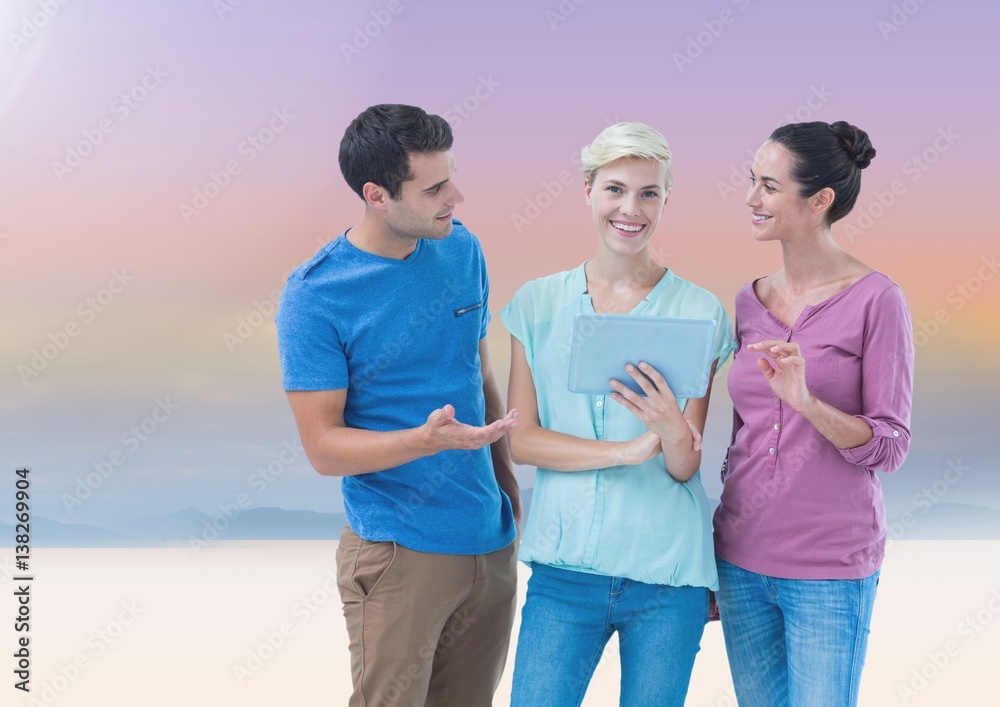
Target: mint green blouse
[{"x": 626, "y": 521}]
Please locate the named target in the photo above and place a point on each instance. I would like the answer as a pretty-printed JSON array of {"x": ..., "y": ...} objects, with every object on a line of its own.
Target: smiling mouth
[
  {"x": 759, "y": 218},
  {"x": 446, "y": 217},
  {"x": 627, "y": 229}
]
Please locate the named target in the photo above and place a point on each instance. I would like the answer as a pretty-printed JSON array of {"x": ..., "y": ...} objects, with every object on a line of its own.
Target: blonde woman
[{"x": 619, "y": 535}]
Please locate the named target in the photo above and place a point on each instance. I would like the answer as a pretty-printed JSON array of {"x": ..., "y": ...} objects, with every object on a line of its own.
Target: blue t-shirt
[{"x": 402, "y": 336}]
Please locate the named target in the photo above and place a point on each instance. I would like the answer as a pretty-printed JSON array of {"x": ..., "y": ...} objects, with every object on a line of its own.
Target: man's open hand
[{"x": 442, "y": 431}]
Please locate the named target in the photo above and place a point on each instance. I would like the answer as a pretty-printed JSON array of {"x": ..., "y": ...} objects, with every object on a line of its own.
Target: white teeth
[
  {"x": 760, "y": 219},
  {"x": 623, "y": 227}
]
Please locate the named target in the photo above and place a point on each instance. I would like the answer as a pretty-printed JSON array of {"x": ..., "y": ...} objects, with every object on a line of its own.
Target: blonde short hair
[{"x": 626, "y": 141}]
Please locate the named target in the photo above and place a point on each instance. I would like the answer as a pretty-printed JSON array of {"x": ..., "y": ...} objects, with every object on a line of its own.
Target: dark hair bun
[{"x": 855, "y": 141}]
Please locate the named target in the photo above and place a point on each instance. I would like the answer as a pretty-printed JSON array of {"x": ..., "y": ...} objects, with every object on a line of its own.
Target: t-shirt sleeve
[
  {"x": 309, "y": 344},
  {"x": 486, "y": 316},
  {"x": 518, "y": 316},
  {"x": 724, "y": 342},
  {"x": 886, "y": 384}
]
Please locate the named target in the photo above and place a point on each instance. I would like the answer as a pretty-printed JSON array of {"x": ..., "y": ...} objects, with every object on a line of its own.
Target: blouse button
[
  {"x": 775, "y": 398},
  {"x": 895, "y": 433},
  {"x": 771, "y": 450},
  {"x": 599, "y": 403},
  {"x": 777, "y": 425}
]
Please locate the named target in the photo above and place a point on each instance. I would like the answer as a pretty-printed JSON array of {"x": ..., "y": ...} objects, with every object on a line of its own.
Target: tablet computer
[{"x": 679, "y": 348}]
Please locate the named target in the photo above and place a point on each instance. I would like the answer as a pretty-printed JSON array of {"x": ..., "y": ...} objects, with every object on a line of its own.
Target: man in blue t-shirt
[{"x": 384, "y": 360}]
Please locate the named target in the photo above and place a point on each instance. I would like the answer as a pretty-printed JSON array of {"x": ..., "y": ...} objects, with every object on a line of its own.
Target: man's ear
[{"x": 376, "y": 197}]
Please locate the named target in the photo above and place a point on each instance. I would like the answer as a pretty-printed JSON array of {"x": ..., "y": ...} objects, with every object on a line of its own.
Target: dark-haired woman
[{"x": 821, "y": 387}]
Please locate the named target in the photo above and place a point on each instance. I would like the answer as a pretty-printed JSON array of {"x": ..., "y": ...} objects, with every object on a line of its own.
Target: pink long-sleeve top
[{"x": 794, "y": 505}]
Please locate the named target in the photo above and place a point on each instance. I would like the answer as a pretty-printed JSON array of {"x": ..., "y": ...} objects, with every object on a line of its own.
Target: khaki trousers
[{"x": 426, "y": 630}]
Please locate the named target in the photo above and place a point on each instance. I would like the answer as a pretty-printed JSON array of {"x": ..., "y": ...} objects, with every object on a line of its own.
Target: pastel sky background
[{"x": 78, "y": 212}]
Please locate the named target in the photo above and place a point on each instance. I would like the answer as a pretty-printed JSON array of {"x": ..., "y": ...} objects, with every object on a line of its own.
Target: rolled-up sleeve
[{"x": 887, "y": 384}]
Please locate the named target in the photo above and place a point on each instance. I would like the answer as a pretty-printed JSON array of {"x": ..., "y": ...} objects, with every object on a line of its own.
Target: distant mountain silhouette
[
  {"x": 171, "y": 527},
  {"x": 49, "y": 533}
]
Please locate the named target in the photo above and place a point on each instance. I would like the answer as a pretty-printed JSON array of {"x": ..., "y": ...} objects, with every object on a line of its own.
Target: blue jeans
[
  {"x": 569, "y": 616},
  {"x": 795, "y": 642}
]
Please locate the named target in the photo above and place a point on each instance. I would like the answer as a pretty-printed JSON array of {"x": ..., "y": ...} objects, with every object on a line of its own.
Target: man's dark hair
[{"x": 377, "y": 144}]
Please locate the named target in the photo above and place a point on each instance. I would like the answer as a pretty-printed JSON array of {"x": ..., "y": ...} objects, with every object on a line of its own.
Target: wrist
[
  {"x": 420, "y": 439},
  {"x": 617, "y": 454},
  {"x": 677, "y": 432},
  {"x": 678, "y": 438},
  {"x": 806, "y": 406}
]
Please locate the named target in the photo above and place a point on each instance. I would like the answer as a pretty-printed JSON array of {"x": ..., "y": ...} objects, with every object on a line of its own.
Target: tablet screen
[{"x": 679, "y": 348}]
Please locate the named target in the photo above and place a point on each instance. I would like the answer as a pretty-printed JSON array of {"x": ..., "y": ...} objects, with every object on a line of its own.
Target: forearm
[
  {"x": 659, "y": 411},
  {"x": 347, "y": 451},
  {"x": 679, "y": 457},
  {"x": 503, "y": 470},
  {"x": 842, "y": 430},
  {"x": 336, "y": 449},
  {"x": 537, "y": 446}
]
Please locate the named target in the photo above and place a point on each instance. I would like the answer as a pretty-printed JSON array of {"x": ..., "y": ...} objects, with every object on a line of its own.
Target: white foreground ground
[{"x": 248, "y": 626}]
